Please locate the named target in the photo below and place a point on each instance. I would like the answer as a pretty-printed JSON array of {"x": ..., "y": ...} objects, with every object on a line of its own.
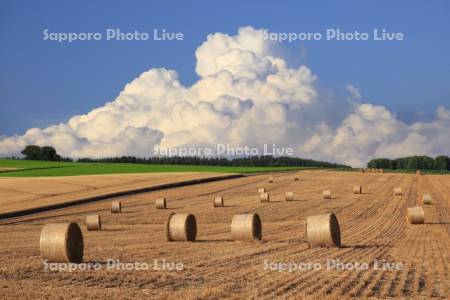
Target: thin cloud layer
[{"x": 247, "y": 95}]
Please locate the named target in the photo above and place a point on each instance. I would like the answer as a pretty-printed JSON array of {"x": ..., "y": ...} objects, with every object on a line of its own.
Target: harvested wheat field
[
  {"x": 373, "y": 228},
  {"x": 24, "y": 193}
]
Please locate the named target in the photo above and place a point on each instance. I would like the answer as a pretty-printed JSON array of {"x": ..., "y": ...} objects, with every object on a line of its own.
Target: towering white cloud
[{"x": 247, "y": 95}]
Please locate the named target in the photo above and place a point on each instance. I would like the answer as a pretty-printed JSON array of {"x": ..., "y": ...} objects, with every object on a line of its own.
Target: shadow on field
[
  {"x": 33, "y": 169},
  {"x": 44, "y": 218}
]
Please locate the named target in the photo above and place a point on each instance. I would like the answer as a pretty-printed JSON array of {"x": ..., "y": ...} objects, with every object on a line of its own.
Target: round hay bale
[
  {"x": 418, "y": 172},
  {"x": 62, "y": 242},
  {"x": 357, "y": 189},
  {"x": 323, "y": 231},
  {"x": 160, "y": 203},
  {"x": 381, "y": 171},
  {"x": 218, "y": 202},
  {"x": 264, "y": 197},
  {"x": 289, "y": 196},
  {"x": 93, "y": 222},
  {"x": 326, "y": 194},
  {"x": 362, "y": 170},
  {"x": 181, "y": 227},
  {"x": 296, "y": 178},
  {"x": 116, "y": 207},
  {"x": 261, "y": 190},
  {"x": 415, "y": 215},
  {"x": 426, "y": 199},
  {"x": 270, "y": 179},
  {"x": 398, "y": 191},
  {"x": 246, "y": 227}
]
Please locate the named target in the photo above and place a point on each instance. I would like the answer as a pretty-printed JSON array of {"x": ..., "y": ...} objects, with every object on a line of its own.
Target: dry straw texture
[
  {"x": 246, "y": 227},
  {"x": 62, "y": 243},
  {"x": 289, "y": 196},
  {"x": 415, "y": 215},
  {"x": 398, "y": 191},
  {"x": 270, "y": 179},
  {"x": 426, "y": 199},
  {"x": 357, "y": 189},
  {"x": 116, "y": 207},
  {"x": 218, "y": 202},
  {"x": 323, "y": 231},
  {"x": 326, "y": 194},
  {"x": 181, "y": 227},
  {"x": 160, "y": 203},
  {"x": 93, "y": 222},
  {"x": 261, "y": 190},
  {"x": 264, "y": 197}
]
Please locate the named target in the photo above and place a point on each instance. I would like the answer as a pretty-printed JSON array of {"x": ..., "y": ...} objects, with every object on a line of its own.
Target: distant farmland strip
[
  {"x": 30, "y": 211},
  {"x": 44, "y": 168}
]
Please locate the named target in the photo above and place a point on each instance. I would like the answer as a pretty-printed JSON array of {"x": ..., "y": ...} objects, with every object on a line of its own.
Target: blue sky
[{"x": 43, "y": 83}]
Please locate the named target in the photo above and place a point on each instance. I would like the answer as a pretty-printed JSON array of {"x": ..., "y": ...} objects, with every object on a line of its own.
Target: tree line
[
  {"x": 48, "y": 153},
  {"x": 253, "y": 161},
  {"x": 439, "y": 163}
]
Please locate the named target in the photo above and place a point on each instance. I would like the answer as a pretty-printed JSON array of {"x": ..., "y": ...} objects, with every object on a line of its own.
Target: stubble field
[
  {"x": 19, "y": 193},
  {"x": 373, "y": 227}
]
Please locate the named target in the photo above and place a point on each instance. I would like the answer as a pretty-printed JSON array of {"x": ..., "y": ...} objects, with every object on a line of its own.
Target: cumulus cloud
[{"x": 246, "y": 95}]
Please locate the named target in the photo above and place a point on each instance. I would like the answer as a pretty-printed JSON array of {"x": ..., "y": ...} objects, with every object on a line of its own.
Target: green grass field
[{"x": 29, "y": 168}]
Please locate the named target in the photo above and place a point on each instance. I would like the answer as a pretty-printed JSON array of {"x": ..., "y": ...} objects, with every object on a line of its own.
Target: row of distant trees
[
  {"x": 33, "y": 152},
  {"x": 440, "y": 163},
  {"x": 253, "y": 161}
]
